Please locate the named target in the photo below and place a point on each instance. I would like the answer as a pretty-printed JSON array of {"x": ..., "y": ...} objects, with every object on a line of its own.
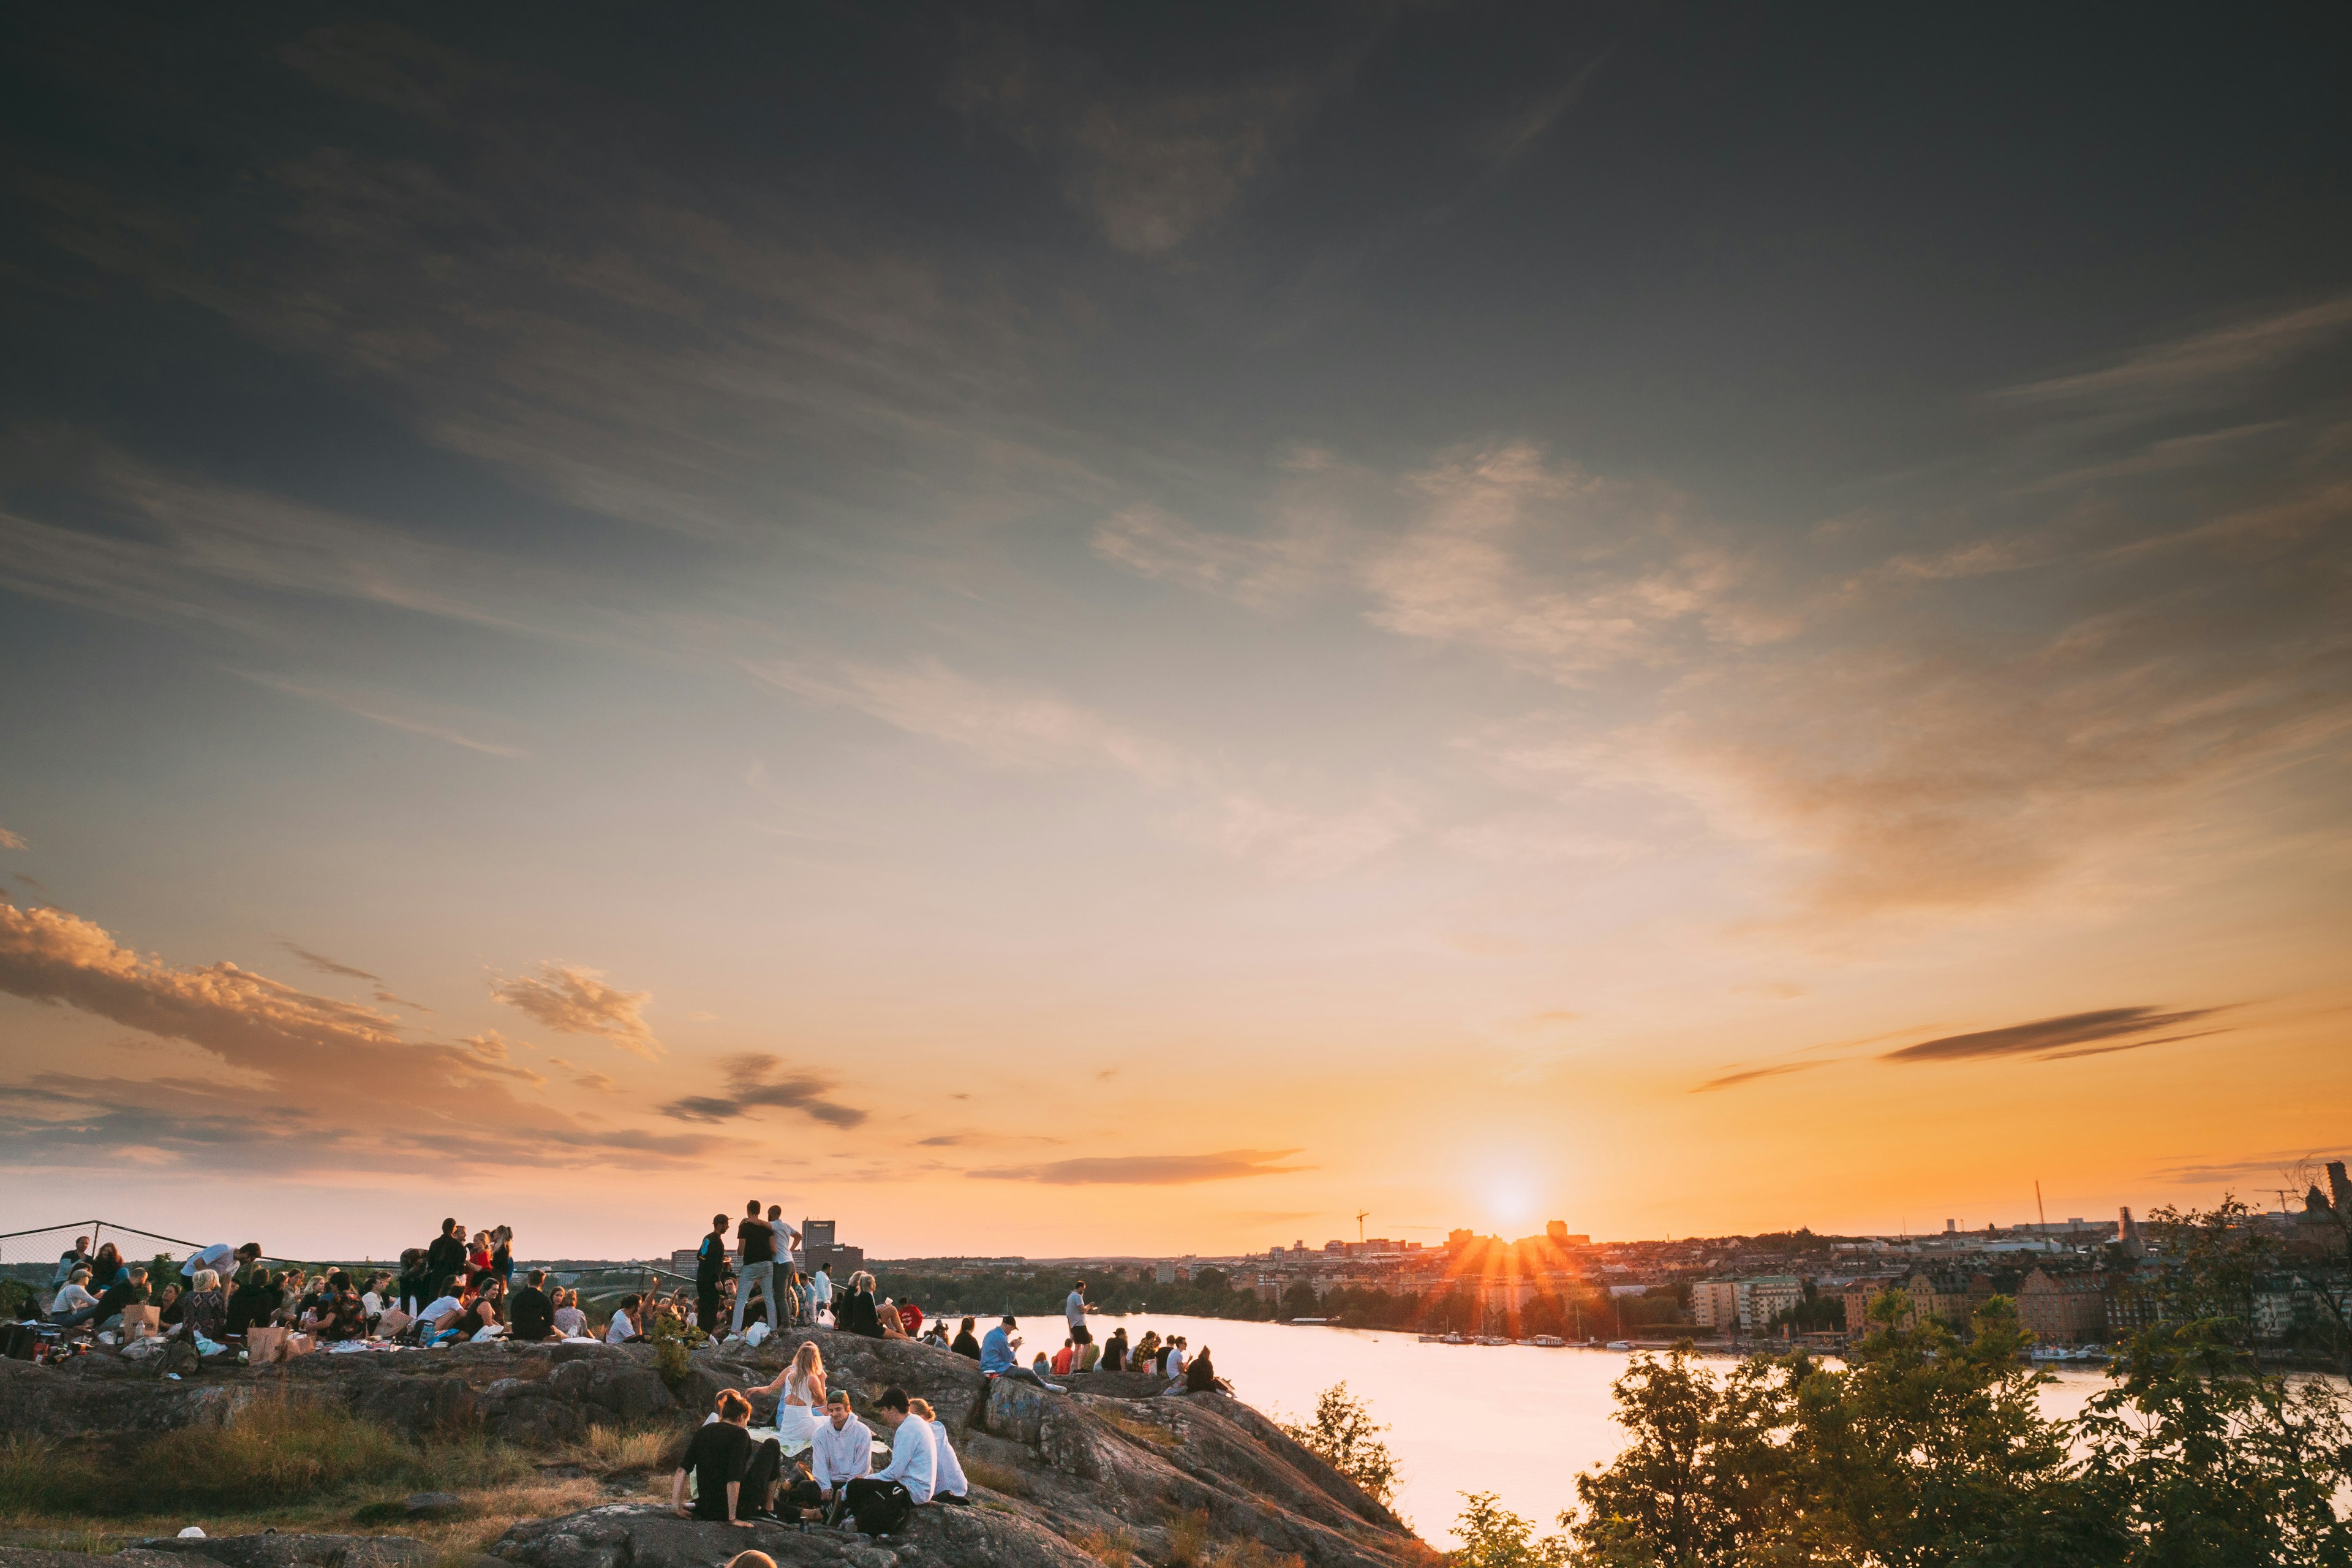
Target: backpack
[{"x": 882, "y": 1509}]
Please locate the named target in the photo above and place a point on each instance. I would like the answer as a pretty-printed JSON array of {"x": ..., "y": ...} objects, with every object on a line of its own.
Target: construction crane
[{"x": 1361, "y": 1214}]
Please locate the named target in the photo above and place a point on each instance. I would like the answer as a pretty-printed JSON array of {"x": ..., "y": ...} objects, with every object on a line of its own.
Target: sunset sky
[{"x": 1094, "y": 630}]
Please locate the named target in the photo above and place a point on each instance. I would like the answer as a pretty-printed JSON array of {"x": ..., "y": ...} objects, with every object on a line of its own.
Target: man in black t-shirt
[
  {"x": 734, "y": 1477},
  {"x": 710, "y": 1270},
  {"x": 445, "y": 1260},
  {"x": 131, "y": 1292},
  {"x": 531, "y": 1313},
  {"x": 755, "y": 1265}
]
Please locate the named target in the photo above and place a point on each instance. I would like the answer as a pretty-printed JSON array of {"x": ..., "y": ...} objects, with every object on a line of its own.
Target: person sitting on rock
[
  {"x": 1201, "y": 1375},
  {"x": 1147, "y": 1352},
  {"x": 950, "y": 1485},
  {"x": 800, "y": 1395},
  {"x": 914, "y": 1455},
  {"x": 532, "y": 1312},
  {"x": 857, "y": 1313},
  {"x": 205, "y": 1311},
  {"x": 997, "y": 1358},
  {"x": 735, "y": 1477},
  {"x": 73, "y": 1305},
  {"x": 966, "y": 1345},
  {"x": 130, "y": 1291},
  {"x": 1174, "y": 1369},
  {"x": 623, "y": 1329},
  {"x": 842, "y": 1449},
  {"x": 569, "y": 1319},
  {"x": 1065, "y": 1358},
  {"x": 1089, "y": 1357}
]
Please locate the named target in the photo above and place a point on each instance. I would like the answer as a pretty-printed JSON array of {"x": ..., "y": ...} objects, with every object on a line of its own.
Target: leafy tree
[
  {"x": 1495, "y": 1536},
  {"x": 1699, "y": 1482},
  {"x": 2215, "y": 1260},
  {"x": 1345, "y": 1437},
  {"x": 2208, "y": 1462},
  {"x": 1300, "y": 1301}
]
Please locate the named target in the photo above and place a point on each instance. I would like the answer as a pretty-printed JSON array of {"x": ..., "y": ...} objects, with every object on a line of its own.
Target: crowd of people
[{"x": 814, "y": 1462}]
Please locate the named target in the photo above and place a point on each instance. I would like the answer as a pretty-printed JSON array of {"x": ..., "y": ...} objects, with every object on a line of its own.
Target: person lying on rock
[
  {"x": 841, "y": 1450},
  {"x": 735, "y": 1477}
]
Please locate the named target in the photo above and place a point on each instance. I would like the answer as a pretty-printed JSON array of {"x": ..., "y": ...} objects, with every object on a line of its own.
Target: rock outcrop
[{"x": 1111, "y": 1464}]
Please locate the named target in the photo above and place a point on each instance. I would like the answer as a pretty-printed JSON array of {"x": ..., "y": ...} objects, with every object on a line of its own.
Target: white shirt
[
  {"x": 824, "y": 1283},
  {"x": 71, "y": 1297},
  {"x": 785, "y": 1234},
  {"x": 914, "y": 1460},
  {"x": 1075, "y": 1309},
  {"x": 213, "y": 1258},
  {"x": 373, "y": 1303},
  {"x": 620, "y": 1329},
  {"x": 951, "y": 1483},
  {"x": 842, "y": 1455},
  {"x": 1176, "y": 1363},
  {"x": 440, "y": 1309}
]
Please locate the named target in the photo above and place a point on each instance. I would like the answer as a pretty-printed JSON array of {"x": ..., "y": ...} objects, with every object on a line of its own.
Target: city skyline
[{"x": 1049, "y": 635}]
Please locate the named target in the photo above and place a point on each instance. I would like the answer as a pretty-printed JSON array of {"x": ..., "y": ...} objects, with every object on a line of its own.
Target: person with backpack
[{"x": 885, "y": 1501}]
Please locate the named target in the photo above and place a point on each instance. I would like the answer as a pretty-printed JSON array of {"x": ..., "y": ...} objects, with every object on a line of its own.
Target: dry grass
[
  {"x": 613, "y": 1450},
  {"x": 1112, "y": 1548},
  {"x": 1188, "y": 1541},
  {"x": 1193, "y": 1543},
  {"x": 997, "y": 1477}
]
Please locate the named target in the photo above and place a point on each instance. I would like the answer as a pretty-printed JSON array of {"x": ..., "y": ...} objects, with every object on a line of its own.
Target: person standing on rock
[
  {"x": 787, "y": 1278},
  {"x": 445, "y": 1260},
  {"x": 1073, "y": 1312},
  {"x": 755, "y": 1265},
  {"x": 710, "y": 1269}
]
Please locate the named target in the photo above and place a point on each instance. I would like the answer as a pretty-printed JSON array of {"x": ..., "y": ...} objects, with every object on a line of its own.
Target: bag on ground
[{"x": 882, "y": 1509}]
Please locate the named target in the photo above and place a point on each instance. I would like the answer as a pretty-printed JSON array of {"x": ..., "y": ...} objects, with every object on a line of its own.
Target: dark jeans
[
  {"x": 73, "y": 1319},
  {"x": 706, "y": 1309},
  {"x": 1019, "y": 1375}
]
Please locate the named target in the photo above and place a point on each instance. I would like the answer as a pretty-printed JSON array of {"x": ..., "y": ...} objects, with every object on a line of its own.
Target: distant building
[
  {"x": 1164, "y": 1273},
  {"x": 1455, "y": 1240},
  {"x": 1335, "y": 1248},
  {"x": 1765, "y": 1297},
  {"x": 1559, "y": 1235},
  {"x": 2063, "y": 1309},
  {"x": 1714, "y": 1304},
  {"x": 1858, "y": 1295}
]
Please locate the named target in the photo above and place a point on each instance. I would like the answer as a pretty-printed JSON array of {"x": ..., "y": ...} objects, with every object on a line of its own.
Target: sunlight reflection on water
[{"x": 1449, "y": 1407}]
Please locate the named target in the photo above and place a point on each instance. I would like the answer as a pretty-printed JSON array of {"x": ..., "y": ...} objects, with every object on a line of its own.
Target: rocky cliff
[{"x": 1107, "y": 1472}]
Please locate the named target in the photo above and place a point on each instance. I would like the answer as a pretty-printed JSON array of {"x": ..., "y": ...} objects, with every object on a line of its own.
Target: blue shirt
[{"x": 996, "y": 1351}]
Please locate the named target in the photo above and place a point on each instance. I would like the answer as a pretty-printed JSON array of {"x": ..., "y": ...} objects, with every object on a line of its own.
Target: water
[{"x": 1450, "y": 1407}]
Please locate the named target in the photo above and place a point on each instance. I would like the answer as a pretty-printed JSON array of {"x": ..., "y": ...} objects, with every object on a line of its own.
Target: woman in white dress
[{"x": 799, "y": 1399}]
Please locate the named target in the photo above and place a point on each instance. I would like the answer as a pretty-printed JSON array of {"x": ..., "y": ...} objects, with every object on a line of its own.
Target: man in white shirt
[
  {"x": 914, "y": 1454},
  {"x": 786, "y": 1236},
  {"x": 1176, "y": 1363},
  {"x": 1073, "y": 1312},
  {"x": 842, "y": 1449},
  {"x": 621, "y": 1329}
]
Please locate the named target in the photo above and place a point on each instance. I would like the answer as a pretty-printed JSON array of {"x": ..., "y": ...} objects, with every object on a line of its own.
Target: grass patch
[
  {"x": 616, "y": 1450},
  {"x": 1112, "y": 1548},
  {"x": 997, "y": 1477},
  {"x": 271, "y": 1455}
]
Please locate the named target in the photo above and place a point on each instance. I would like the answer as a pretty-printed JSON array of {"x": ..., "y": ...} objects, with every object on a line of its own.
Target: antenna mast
[{"x": 2039, "y": 1212}]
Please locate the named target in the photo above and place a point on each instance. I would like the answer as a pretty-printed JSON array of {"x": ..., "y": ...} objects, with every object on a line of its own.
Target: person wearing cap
[{"x": 997, "y": 1358}]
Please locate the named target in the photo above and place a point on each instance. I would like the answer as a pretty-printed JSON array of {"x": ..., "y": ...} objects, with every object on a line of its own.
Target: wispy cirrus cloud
[
  {"x": 1749, "y": 1074},
  {"x": 388, "y": 712},
  {"x": 326, "y": 965},
  {"x": 2068, "y": 1035},
  {"x": 752, "y": 1083},
  {"x": 572, "y": 1000},
  {"x": 2194, "y": 368},
  {"x": 1149, "y": 1170},
  {"x": 11, "y": 840}
]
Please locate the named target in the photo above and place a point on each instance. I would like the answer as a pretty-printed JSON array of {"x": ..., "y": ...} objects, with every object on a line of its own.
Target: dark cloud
[
  {"x": 944, "y": 1141},
  {"x": 2072, "y": 1035},
  {"x": 326, "y": 965},
  {"x": 1750, "y": 1075},
  {"x": 751, "y": 1088},
  {"x": 2264, "y": 1171},
  {"x": 1147, "y": 1170},
  {"x": 388, "y": 999}
]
